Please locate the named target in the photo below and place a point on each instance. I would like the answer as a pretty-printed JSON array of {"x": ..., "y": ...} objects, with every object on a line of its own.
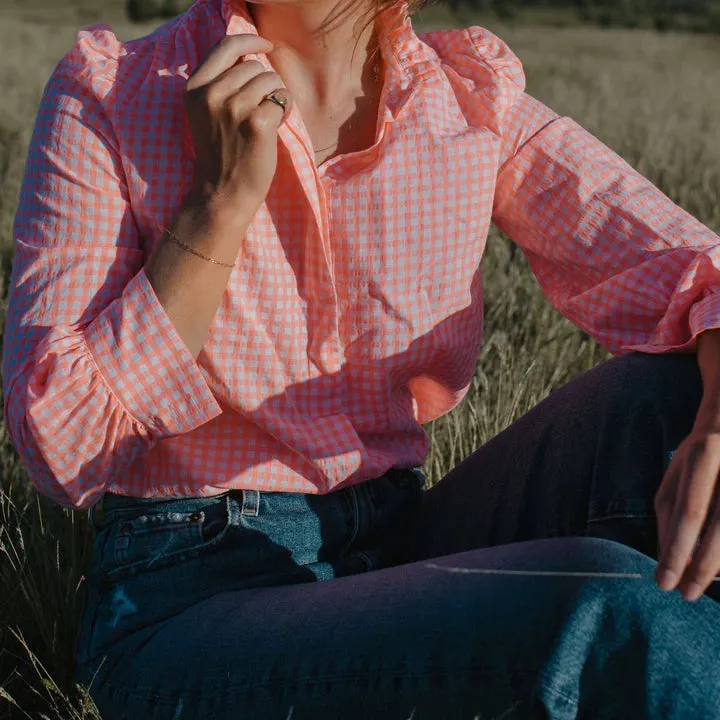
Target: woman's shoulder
[
  {"x": 483, "y": 74},
  {"x": 476, "y": 54},
  {"x": 99, "y": 60}
]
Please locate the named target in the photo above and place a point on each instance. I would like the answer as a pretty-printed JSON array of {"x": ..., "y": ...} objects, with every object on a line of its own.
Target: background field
[{"x": 652, "y": 97}]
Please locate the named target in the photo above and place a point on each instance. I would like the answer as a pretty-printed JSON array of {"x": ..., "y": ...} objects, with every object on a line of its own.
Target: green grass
[{"x": 651, "y": 97}]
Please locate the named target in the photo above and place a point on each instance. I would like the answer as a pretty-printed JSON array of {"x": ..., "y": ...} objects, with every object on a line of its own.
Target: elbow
[
  {"x": 71, "y": 437},
  {"x": 28, "y": 447}
]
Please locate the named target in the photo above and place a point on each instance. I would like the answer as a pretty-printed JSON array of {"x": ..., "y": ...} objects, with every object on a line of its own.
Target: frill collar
[{"x": 405, "y": 57}]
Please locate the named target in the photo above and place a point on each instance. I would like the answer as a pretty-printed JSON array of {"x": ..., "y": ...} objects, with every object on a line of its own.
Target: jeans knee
[
  {"x": 637, "y": 377},
  {"x": 581, "y": 556},
  {"x": 649, "y": 394},
  {"x": 613, "y": 575},
  {"x": 612, "y": 557}
]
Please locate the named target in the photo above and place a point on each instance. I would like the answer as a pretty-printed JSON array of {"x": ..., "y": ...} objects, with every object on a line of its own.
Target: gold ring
[{"x": 280, "y": 100}]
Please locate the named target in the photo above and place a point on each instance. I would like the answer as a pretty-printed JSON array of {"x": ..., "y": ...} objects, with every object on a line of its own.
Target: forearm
[
  {"x": 189, "y": 287},
  {"x": 708, "y": 357}
]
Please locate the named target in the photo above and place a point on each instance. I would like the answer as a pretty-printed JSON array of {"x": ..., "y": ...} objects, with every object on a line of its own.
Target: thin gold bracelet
[{"x": 173, "y": 238}]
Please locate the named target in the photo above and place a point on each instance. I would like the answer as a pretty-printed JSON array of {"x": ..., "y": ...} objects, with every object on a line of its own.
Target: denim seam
[
  {"x": 171, "y": 559},
  {"x": 119, "y": 513},
  {"x": 94, "y": 595},
  {"x": 366, "y": 558},
  {"x": 250, "y": 503},
  {"x": 620, "y": 516},
  {"x": 582, "y": 708},
  {"x": 140, "y": 692},
  {"x": 356, "y": 520}
]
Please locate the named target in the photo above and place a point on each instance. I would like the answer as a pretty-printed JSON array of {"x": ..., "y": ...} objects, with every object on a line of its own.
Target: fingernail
[
  {"x": 666, "y": 579},
  {"x": 694, "y": 591}
]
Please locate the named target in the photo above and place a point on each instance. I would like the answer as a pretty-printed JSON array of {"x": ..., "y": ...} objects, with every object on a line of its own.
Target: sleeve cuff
[
  {"x": 705, "y": 315},
  {"x": 146, "y": 364}
]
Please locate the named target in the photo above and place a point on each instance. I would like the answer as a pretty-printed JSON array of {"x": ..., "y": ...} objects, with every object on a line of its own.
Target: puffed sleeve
[
  {"x": 94, "y": 371},
  {"x": 611, "y": 252}
]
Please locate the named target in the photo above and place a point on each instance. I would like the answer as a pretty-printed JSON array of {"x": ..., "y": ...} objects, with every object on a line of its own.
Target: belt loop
[
  {"x": 420, "y": 475},
  {"x": 96, "y": 514},
  {"x": 250, "y": 502}
]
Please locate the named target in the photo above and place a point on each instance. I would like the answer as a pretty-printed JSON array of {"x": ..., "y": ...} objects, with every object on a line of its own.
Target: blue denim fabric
[{"x": 379, "y": 600}]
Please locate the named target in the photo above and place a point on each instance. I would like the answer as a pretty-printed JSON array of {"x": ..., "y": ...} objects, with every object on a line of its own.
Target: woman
[{"x": 246, "y": 271}]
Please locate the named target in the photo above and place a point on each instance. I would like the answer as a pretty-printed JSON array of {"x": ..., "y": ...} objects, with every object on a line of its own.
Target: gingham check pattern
[{"x": 354, "y": 312}]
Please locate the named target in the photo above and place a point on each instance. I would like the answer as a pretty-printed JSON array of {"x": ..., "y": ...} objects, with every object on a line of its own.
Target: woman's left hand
[{"x": 688, "y": 516}]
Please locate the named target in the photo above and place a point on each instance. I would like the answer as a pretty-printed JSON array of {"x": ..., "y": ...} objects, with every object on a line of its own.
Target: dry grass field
[{"x": 653, "y": 98}]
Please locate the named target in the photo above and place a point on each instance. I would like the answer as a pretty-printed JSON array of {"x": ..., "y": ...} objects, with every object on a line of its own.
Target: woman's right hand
[{"x": 233, "y": 130}]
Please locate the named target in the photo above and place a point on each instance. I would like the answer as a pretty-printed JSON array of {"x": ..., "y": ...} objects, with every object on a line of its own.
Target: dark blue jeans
[{"x": 383, "y": 600}]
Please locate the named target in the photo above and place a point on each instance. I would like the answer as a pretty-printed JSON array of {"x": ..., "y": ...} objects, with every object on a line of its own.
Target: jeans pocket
[
  {"x": 630, "y": 522},
  {"x": 151, "y": 538},
  {"x": 386, "y": 507}
]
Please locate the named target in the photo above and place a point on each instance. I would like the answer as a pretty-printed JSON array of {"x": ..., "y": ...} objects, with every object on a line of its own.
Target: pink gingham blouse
[{"x": 354, "y": 312}]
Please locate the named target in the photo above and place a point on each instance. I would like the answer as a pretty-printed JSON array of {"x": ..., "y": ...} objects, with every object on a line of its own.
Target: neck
[{"x": 317, "y": 64}]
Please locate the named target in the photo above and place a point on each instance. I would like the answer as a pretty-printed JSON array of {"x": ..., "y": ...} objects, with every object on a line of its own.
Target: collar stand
[{"x": 401, "y": 50}]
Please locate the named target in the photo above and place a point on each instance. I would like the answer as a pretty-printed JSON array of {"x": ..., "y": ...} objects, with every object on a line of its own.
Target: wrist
[
  {"x": 708, "y": 358},
  {"x": 707, "y": 419},
  {"x": 216, "y": 211},
  {"x": 204, "y": 229}
]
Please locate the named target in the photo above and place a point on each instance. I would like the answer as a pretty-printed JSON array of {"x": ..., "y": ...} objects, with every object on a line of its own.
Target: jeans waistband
[{"x": 111, "y": 505}]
